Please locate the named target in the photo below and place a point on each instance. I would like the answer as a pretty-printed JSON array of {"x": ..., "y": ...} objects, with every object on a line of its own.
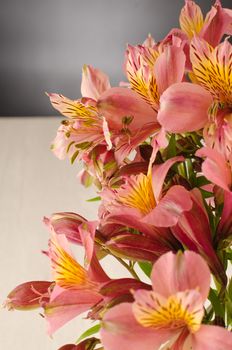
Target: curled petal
[{"x": 184, "y": 107}]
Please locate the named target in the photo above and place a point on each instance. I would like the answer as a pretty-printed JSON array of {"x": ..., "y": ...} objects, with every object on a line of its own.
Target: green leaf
[
  {"x": 201, "y": 181},
  {"x": 229, "y": 312},
  {"x": 229, "y": 289},
  {"x": 206, "y": 194},
  {"x": 216, "y": 303},
  {"x": 89, "y": 332},
  {"x": 95, "y": 199},
  {"x": 171, "y": 150},
  {"x": 146, "y": 268}
]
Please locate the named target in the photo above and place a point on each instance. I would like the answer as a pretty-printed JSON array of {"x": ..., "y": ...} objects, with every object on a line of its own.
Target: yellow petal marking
[
  {"x": 67, "y": 272},
  {"x": 141, "y": 77},
  {"x": 138, "y": 193},
  {"x": 191, "y": 19},
  {"x": 169, "y": 313},
  {"x": 73, "y": 109},
  {"x": 213, "y": 69}
]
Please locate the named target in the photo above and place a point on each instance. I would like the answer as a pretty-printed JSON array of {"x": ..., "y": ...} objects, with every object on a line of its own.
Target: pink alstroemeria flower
[
  {"x": 113, "y": 117},
  {"x": 78, "y": 289},
  {"x": 207, "y": 103},
  {"x": 140, "y": 204},
  {"x": 171, "y": 314}
]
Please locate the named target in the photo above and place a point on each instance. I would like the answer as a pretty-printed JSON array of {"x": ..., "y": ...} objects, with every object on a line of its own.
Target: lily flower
[{"x": 171, "y": 314}]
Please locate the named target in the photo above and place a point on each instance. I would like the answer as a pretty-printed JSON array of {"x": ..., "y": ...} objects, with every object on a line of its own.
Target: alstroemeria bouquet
[{"x": 158, "y": 148}]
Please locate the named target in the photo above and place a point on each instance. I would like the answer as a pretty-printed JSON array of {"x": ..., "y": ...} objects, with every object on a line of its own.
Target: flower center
[
  {"x": 67, "y": 272},
  {"x": 138, "y": 193},
  {"x": 171, "y": 313}
]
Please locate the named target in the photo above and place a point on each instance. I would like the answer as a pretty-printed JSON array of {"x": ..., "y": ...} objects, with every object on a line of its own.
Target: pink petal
[
  {"x": 159, "y": 141},
  {"x": 215, "y": 168},
  {"x": 191, "y": 18},
  {"x": 218, "y": 22},
  {"x": 169, "y": 67},
  {"x": 66, "y": 223},
  {"x": 122, "y": 286},
  {"x": 118, "y": 102},
  {"x": 159, "y": 173},
  {"x": 132, "y": 218},
  {"x": 28, "y": 295},
  {"x": 68, "y": 305},
  {"x": 87, "y": 233},
  {"x": 212, "y": 338},
  {"x": 121, "y": 331},
  {"x": 94, "y": 82},
  {"x": 136, "y": 247},
  {"x": 174, "y": 273},
  {"x": 127, "y": 144},
  {"x": 224, "y": 229},
  {"x": 170, "y": 208},
  {"x": 183, "y": 107}
]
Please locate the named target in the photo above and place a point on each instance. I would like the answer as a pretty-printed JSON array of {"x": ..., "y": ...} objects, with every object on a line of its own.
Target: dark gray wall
[{"x": 44, "y": 44}]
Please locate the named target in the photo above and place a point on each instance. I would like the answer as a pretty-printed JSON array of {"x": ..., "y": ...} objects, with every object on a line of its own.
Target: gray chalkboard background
[{"x": 44, "y": 44}]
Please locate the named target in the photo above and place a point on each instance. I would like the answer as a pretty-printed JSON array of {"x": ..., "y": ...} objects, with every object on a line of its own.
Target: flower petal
[
  {"x": 169, "y": 67},
  {"x": 170, "y": 208},
  {"x": 117, "y": 103},
  {"x": 212, "y": 338},
  {"x": 70, "y": 108},
  {"x": 174, "y": 273},
  {"x": 191, "y": 18},
  {"x": 212, "y": 68},
  {"x": 215, "y": 168},
  {"x": 66, "y": 306},
  {"x": 184, "y": 107},
  {"x": 120, "y": 330},
  {"x": 218, "y": 22},
  {"x": 94, "y": 82},
  {"x": 159, "y": 173}
]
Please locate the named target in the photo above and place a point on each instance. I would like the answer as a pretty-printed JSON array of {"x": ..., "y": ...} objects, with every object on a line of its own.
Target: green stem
[{"x": 130, "y": 269}]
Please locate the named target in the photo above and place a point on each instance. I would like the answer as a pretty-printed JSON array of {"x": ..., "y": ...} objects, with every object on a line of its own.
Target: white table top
[{"x": 33, "y": 183}]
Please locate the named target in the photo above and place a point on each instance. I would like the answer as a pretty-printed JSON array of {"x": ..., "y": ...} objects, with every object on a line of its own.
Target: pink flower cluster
[{"x": 158, "y": 148}]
